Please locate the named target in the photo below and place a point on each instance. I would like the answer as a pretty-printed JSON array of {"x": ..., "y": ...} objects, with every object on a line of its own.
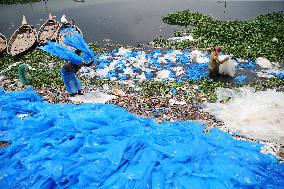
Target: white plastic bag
[{"x": 227, "y": 68}]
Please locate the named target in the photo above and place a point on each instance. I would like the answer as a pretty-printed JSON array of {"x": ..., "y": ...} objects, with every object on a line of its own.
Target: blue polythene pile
[
  {"x": 104, "y": 146},
  {"x": 126, "y": 64}
]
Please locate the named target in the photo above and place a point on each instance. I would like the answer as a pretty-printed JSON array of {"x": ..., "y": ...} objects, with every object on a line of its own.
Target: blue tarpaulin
[{"x": 104, "y": 146}]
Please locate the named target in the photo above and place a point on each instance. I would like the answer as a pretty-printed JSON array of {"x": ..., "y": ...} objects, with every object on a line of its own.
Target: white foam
[
  {"x": 195, "y": 54},
  {"x": 258, "y": 115}
]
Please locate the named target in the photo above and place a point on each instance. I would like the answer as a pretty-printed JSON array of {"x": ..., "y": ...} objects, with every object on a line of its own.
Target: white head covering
[
  {"x": 24, "y": 21},
  {"x": 64, "y": 19}
]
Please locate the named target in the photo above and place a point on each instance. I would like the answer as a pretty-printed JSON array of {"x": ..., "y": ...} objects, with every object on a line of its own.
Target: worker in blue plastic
[
  {"x": 68, "y": 73},
  {"x": 215, "y": 62}
]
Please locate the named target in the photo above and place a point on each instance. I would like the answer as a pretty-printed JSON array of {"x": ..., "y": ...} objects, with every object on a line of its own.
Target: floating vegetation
[{"x": 259, "y": 37}]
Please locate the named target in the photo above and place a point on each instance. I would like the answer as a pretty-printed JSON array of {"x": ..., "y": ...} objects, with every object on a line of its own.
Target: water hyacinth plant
[{"x": 259, "y": 37}]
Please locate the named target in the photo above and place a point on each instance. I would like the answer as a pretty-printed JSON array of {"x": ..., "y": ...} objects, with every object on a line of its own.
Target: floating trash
[
  {"x": 240, "y": 79},
  {"x": 154, "y": 65}
]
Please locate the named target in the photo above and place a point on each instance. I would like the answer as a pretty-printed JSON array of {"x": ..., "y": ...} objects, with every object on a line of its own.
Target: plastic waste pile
[
  {"x": 124, "y": 64},
  {"x": 104, "y": 146}
]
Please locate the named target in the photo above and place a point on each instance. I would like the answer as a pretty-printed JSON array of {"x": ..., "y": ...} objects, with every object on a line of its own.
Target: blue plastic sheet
[
  {"x": 240, "y": 79},
  {"x": 279, "y": 75},
  {"x": 104, "y": 146},
  {"x": 75, "y": 40},
  {"x": 249, "y": 65},
  {"x": 197, "y": 71},
  {"x": 62, "y": 52}
]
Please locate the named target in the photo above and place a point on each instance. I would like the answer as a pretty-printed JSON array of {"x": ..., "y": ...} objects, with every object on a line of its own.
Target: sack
[{"x": 228, "y": 68}]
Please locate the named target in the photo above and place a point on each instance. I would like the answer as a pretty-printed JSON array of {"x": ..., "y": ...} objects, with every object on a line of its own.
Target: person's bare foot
[{"x": 80, "y": 92}]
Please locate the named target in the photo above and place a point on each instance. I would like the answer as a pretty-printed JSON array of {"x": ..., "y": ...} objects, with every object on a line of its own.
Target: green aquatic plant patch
[{"x": 259, "y": 37}]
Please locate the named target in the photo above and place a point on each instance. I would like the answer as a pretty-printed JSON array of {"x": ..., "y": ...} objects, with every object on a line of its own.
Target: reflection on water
[{"x": 126, "y": 21}]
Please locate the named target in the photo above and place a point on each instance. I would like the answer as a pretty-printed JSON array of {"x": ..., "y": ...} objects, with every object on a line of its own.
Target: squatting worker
[
  {"x": 22, "y": 73},
  {"x": 68, "y": 73},
  {"x": 215, "y": 62}
]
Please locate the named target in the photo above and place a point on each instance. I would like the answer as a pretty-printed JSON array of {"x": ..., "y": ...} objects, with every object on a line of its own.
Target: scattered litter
[
  {"x": 275, "y": 39},
  {"x": 95, "y": 97},
  {"x": 22, "y": 116},
  {"x": 163, "y": 74},
  {"x": 173, "y": 102},
  {"x": 117, "y": 92},
  {"x": 264, "y": 63},
  {"x": 2, "y": 77}
]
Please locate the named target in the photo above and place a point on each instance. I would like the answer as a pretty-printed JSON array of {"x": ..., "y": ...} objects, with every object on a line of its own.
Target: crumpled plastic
[{"x": 104, "y": 146}]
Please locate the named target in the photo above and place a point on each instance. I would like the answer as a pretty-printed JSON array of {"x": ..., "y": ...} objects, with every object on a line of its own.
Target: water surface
[{"x": 126, "y": 21}]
